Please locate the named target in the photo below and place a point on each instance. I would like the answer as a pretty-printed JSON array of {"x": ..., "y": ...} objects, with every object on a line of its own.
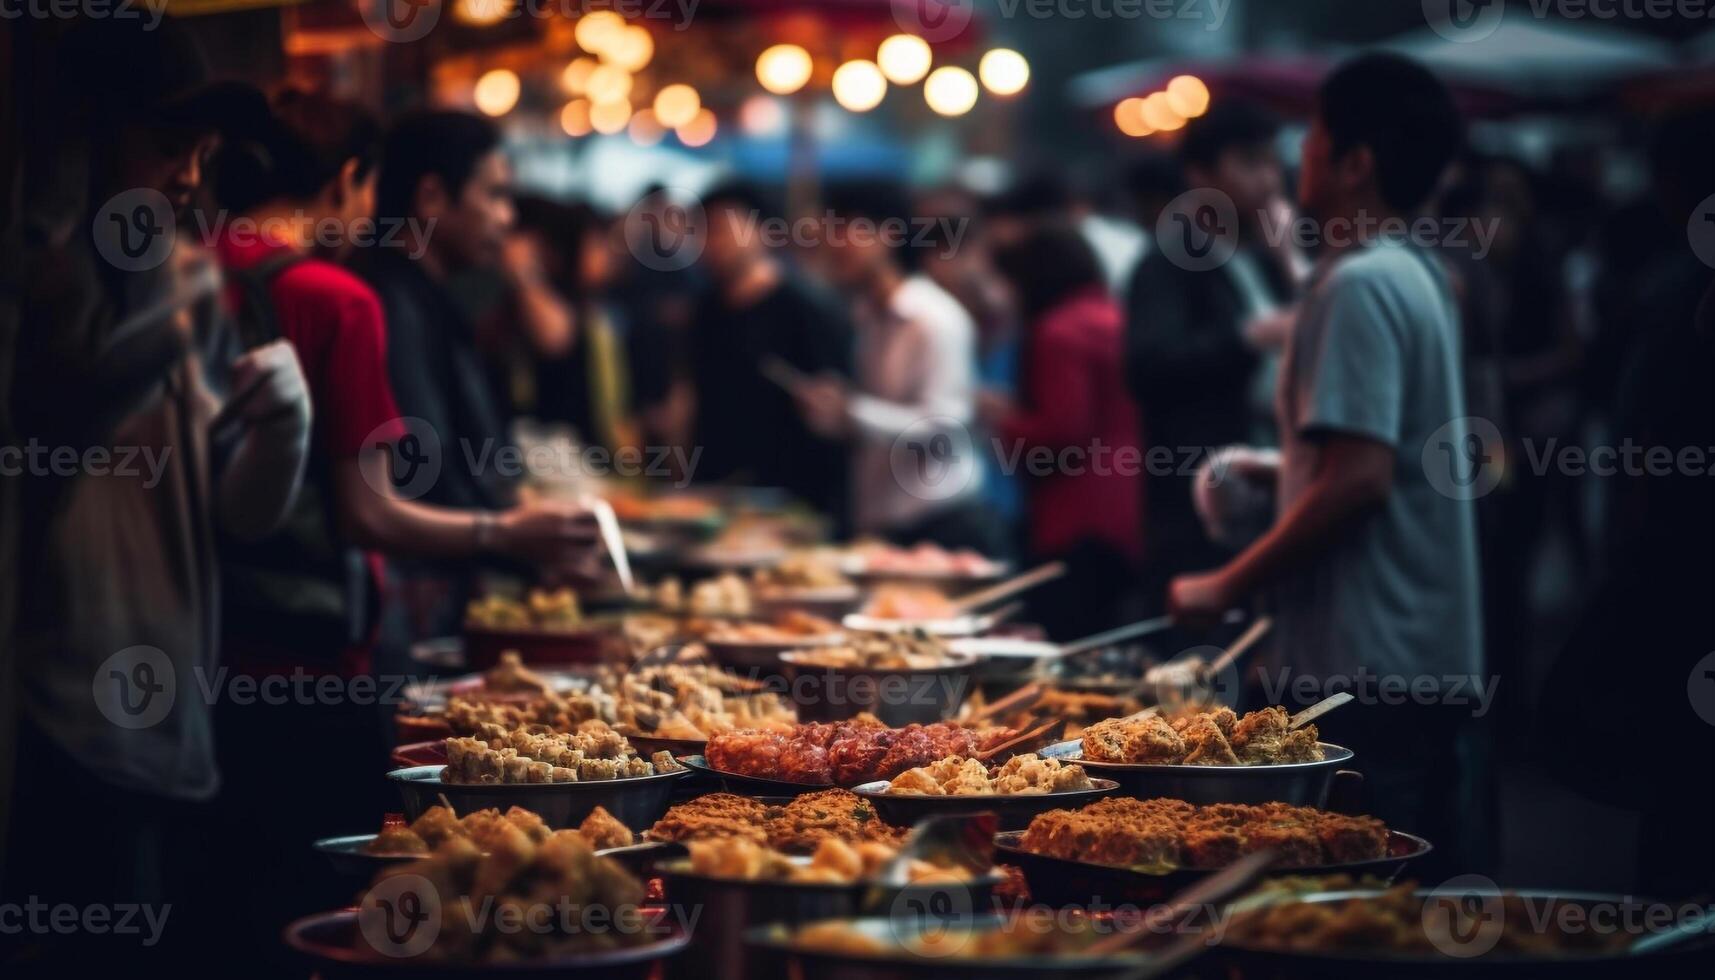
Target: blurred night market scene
[{"x": 857, "y": 489}]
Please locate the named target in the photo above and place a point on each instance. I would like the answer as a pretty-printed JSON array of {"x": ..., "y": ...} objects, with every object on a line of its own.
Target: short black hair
[
  {"x": 1154, "y": 174},
  {"x": 292, "y": 148},
  {"x": 1048, "y": 266},
  {"x": 1407, "y": 118},
  {"x": 1229, "y": 124},
  {"x": 1044, "y": 194},
  {"x": 739, "y": 194},
  {"x": 448, "y": 145}
]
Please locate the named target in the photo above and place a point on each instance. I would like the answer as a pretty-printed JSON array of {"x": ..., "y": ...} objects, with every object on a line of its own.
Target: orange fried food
[
  {"x": 714, "y": 815},
  {"x": 1162, "y": 834},
  {"x": 1202, "y": 738}
]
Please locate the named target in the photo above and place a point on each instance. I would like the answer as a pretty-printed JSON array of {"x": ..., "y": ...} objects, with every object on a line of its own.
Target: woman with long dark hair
[{"x": 1073, "y": 434}]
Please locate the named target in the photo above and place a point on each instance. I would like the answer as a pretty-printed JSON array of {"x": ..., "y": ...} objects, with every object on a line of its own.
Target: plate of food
[
  {"x": 758, "y": 645},
  {"x": 844, "y": 753},
  {"x": 1039, "y": 943},
  {"x": 901, "y": 678},
  {"x": 1335, "y": 929},
  {"x": 790, "y": 824},
  {"x": 1015, "y": 790},
  {"x": 923, "y": 563},
  {"x": 398, "y": 842},
  {"x": 808, "y": 581},
  {"x": 434, "y": 917},
  {"x": 1213, "y": 756},
  {"x": 1141, "y": 851},
  {"x": 738, "y": 884},
  {"x": 563, "y": 776},
  {"x": 542, "y": 628}
]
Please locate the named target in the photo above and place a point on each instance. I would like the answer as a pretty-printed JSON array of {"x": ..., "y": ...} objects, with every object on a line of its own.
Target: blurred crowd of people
[{"x": 855, "y": 374}]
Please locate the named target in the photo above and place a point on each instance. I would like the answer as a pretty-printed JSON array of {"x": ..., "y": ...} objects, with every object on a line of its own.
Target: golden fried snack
[
  {"x": 956, "y": 776},
  {"x": 1203, "y": 738},
  {"x": 603, "y": 830},
  {"x": 808, "y": 820},
  {"x": 1158, "y": 835},
  {"x": 714, "y": 815}
]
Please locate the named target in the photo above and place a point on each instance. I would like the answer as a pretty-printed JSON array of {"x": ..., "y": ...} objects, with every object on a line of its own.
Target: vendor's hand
[
  {"x": 993, "y": 407},
  {"x": 1201, "y": 599},
  {"x": 549, "y": 535},
  {"x": 268, "y": 387},
  {"x": 822, "y": 400}
]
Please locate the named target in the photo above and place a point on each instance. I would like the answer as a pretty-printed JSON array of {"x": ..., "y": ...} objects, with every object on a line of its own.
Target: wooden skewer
[
  {"x": 1319, "y": 709},
  {"x": 1245, "y": 641},
  {"x": 1041, "y": 734},
  {"x": 1213, "y": 890},
  {"x": 1010, "y": 587},
  {"x": 1019, "y": 700}
]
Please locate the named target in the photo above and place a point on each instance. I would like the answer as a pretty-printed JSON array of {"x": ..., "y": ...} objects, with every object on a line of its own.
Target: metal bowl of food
[
  {"x": 743, "y": 785},
  {"x": 1062, "y": 881},
  {"x": 898, "y": 696},
  {"x": 762, "y": 656},
  {"x": 334, "y": 943},
  {"x": 1298, "y": 783},
  {"x": 886, "y": 949},
  {"x": 828, "y": 602},
  {"x": 727, "y": 907},
  {"x": 1013, "y": 809},
  {"x": 1482, "y": 934},
  {"x": 637, "y": 801}
]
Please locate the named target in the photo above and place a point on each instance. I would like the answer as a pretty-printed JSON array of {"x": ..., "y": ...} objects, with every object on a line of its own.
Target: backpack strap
[{"x": 257, "y": 321}]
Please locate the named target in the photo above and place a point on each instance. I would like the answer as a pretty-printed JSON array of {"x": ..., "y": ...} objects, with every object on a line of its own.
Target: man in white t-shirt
[{"x": 914, "y": 472}]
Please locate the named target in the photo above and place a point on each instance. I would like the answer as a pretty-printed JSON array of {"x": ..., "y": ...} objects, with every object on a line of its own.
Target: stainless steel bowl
[
  {"x": 898, "y": 964},
  {"x": 1014, "y": 809},
  {"x": 637, "y": 802},
  {"x": 1061, "y": 881},
  {"x": 1299, "y": 783},
  {"x": 1695, "y": 957},
  {"x": 726, "y": 908},
  {"x": 897, "y": 697},
  {"x": 331, "y": 942}
]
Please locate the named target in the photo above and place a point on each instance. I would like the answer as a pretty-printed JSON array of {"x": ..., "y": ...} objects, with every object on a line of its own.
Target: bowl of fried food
[
  {"x": 901, "y": 678},
  {"x": 843, "y": 753},
  {"x": 808, "y": 581},
  {"x": 1142, "y": 851},
  {"x": 738, "y": 884},
  {"x": 563, "y": 776},
  {"x": 1335, "y": 928},
  {"x": 542, "y": 628},
  {"x": 1213, "y": 756},
  {"x": 1015, "y": 790},
  {"x": 463, "y": 912},
  {"x": 399, "y": 841},
  {"x": 757, "y": 646},
  {"x": 1038, "y": 943}
]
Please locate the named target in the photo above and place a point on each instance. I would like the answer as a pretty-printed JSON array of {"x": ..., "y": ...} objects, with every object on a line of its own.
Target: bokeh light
[
  {"x": 1004, "y": 71},
  {"x": 575, "y": 118},
  {"x": 676, "y": 105},
  {"x": 497, "y": 92},
  {"x": 859, "y": 86},
  {"x": 950, "y": 91},
  {"x": 699, "y": 130},
  {"x": 608, "y": 118},
  {"x": 904, "y": 58},
  {"x": 1188, "y": 96}
]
